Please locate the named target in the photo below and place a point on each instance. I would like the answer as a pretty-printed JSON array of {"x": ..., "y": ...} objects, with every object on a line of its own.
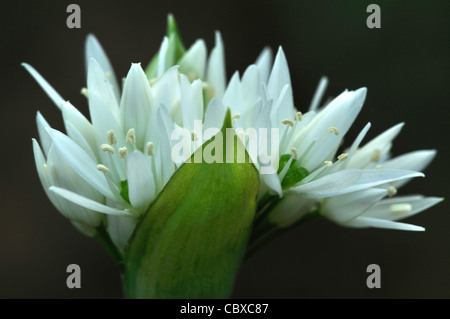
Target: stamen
[
  {"x": 376, "y": 156},
  {"x": 131, "y": 136},
  {"x": 391, "y": 191},
  {"x": 108, "y": 74},
  {"x": 112, "y": 139},
  {"x": 328, "y": 163},
  {"x": 400, "y": 209},
  {"x": 288, "y": 122},
  {"x": 334, "y": 130},
  {"x": 379, "y": 166},
  {"x": 107, "y": 148},
  {"x": 194, "y": 136},
  {"x": 298, "y": 116},
  {"x": 236, "y": 116},
  {"x": 123, "y": 152},
  {"x": 149, "y": 148},
  {"x": 103, "y": 168},
  {"x": 84, "y": 91},
  {"x": 295, "y": 152},
  {"x": 205, "y": 85},
  {"x": 343, "y": 156},
  {"x": 152, "y": 81}
]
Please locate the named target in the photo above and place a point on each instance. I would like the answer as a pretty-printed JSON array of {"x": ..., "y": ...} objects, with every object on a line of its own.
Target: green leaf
[
  {"x": 193, "y": 238},
  {"x": 175, "y": 49},
  {"x": 124, "y": 191},
  {"x": 294, "y": 173}
]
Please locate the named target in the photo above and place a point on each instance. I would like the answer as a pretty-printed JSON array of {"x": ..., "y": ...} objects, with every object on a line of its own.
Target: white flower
[
  {"x": 367, "y": 208},
  {"x": 353, "y": 184},
  {"x": 107, "y": 171},
  {"x": 110, "y": 169}
]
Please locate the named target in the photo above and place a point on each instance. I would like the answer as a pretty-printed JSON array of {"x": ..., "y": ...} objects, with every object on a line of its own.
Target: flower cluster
[{"x": 105, "y": 172}]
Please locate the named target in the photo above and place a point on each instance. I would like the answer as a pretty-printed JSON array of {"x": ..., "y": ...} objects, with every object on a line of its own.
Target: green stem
[{"x": 104, "y": 239}]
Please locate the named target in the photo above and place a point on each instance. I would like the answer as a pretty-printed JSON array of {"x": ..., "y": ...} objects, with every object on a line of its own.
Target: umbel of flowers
[{"x": 180, "y": 229}]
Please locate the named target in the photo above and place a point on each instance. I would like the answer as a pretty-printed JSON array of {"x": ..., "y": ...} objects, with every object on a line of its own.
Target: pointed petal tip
[
  {"x": 90, "y": 38},
  {"x": 218, "y": 36}
]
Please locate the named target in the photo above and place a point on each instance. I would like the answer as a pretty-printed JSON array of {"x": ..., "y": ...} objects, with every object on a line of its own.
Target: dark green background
[{"x": 405, "y": 66}]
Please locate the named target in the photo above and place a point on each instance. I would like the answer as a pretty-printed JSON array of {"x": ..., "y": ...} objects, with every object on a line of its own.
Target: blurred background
[{"x": 405, "y": 66}]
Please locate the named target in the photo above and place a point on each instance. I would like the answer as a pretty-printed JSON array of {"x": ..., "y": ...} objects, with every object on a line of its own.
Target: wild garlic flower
[
  {"x": 114, "y": 166},
  {"x": 107, "y": 171},
  {"x": 348, "y": 188}
]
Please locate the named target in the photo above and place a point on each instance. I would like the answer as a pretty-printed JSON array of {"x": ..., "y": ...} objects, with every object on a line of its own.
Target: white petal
[
  {"x": 273, "y": 183},
  {"x": 164, "y": 149},
  {"x": 103, "y": 121},
  {"x": 44, "y": 175},
  {"x": 414, "y": 161},
  {"x": 232, "y": 97},
  {"x": 80, "y": 162},
  {"x": 162, "y": 57},
  {"x": 87, "y": 203},
  {"x": 282, "y": 109},
  {"x": 45, "y": 139},
  {"x": 328, "y": 185},
  {"x": 214, "y": 115},
  {"x": 318, "y": 95},
  {"x": 264, "y": 62},
  {"x": 377, "y": 177},
  {"x": 75, "y": 135},
  {"x": 191, "y": 101},
  {"x": 167, "y": 92},
  {"x": 382, "y": 143},
  {"x": 193, "y": 61},
  {"x": 290, "y": 210},
  {"x": 63, "y": 176},
  {"x": 279, "y": 76},
  {"x": 135, "y": 106},
  {"x": 98, "y": 83},
  {"x": 79, "y": 121},
  {"x": 216, "y": 75},
  {"x": 52, "y": 94},
  {"x": 416, "y": 205},
  {"x": 120, "y": 229},
  {"x": 141, "y": 184},
  {"x": 340, "y": 113},
  {"x": 345, "y": 207},
  {"x": 357, "y": 142},
  {"x": 364, "y": 222},
  {"x": 41, "y": 164},
  {"x": 250, "y": 87},
  {"x": 94, "y": 50}
]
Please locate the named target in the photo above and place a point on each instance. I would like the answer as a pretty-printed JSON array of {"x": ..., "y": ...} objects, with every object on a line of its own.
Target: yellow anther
[
  {"x": 131, "y": 136},
  {"x": 123, "y": 152},
  {"x": 149, "y": 148},
  {"x": 288, "y": 122},
  {"x": 400, "y": 209},
  {"x": 107, "y": 148},
  {"x": 376, "y": 156},
  {"x": 391, "y": 191},
  {"x": 112, "y": 139},
  {"x": 103, "y": 168},
  {"x": 334, "y": 130},
  {"x": 84, "y": 91}
]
